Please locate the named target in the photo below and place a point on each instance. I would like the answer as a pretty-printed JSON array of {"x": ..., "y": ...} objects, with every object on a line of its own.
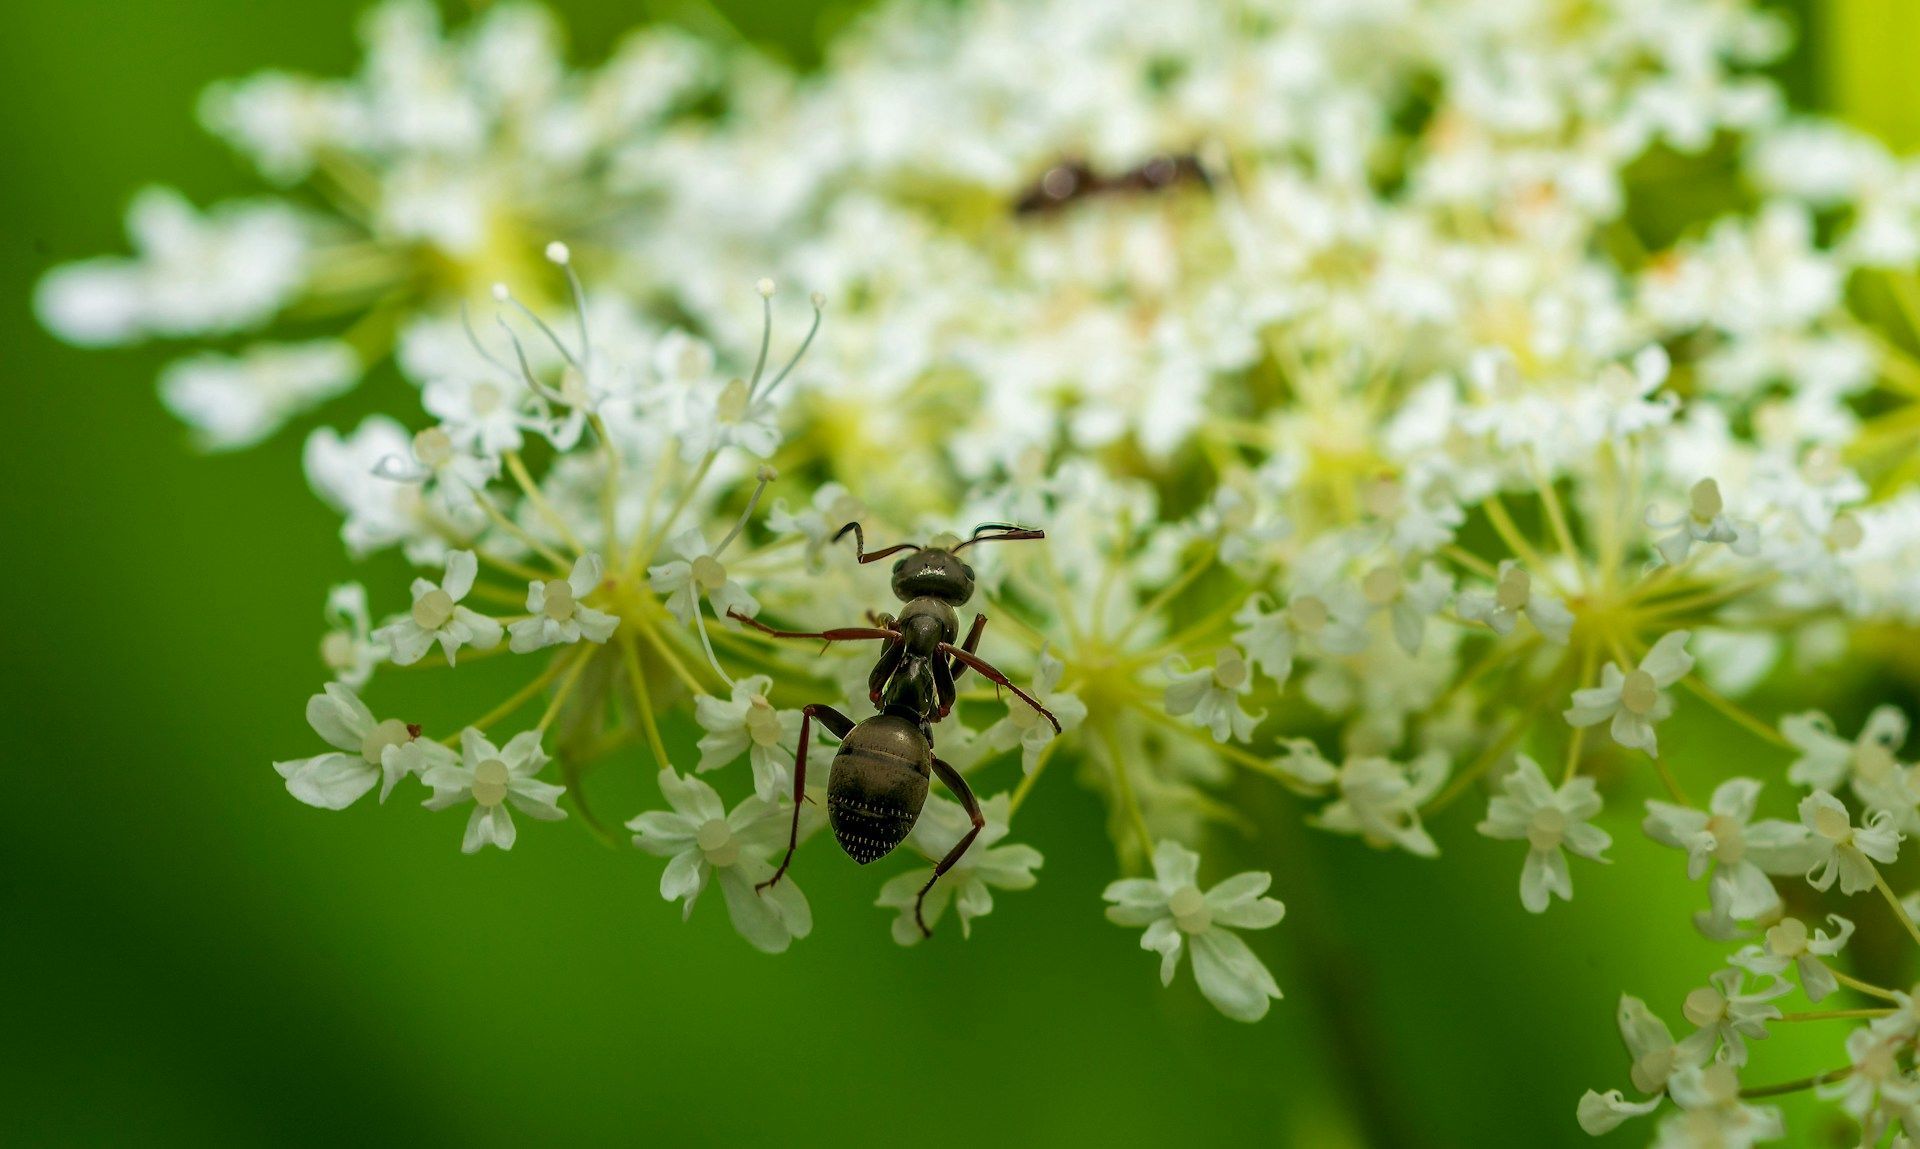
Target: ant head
[{"x": 933, "y": 573}]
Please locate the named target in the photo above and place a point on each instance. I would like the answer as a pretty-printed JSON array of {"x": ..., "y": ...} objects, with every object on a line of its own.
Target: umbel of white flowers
[{"x": 1393, "y": 429}]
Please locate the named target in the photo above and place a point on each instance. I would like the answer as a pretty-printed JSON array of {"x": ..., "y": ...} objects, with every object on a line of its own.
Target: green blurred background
[{"x": 189, "y": 956}]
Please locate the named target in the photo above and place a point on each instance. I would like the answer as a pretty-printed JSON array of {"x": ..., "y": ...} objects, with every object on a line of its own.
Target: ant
[
  {"x": 1072, "y": 180},
  {"x": 880, "y": 772}
]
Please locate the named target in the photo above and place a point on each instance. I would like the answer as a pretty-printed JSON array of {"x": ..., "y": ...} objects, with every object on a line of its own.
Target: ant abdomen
[{"x": 878, "y": 785}]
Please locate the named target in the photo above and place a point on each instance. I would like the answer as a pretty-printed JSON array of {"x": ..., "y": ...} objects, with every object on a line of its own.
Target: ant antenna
[
  {"x": 1003, "y": 533},
  {"x": 860, "y": 544}
]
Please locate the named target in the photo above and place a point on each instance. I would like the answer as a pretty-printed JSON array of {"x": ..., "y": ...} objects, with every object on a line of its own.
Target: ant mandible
[{"x": 880, "y": 773}]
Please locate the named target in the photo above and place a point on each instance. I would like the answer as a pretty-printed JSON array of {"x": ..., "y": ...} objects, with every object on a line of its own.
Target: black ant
[
  {"x": 880, "y": 772},
  {"x": 1072, "y": 180}
]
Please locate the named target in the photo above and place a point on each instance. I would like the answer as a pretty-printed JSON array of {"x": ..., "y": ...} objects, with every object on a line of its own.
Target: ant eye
[
  {"x": 966, "y": 570},
  {"x": 899, "y": 565}
]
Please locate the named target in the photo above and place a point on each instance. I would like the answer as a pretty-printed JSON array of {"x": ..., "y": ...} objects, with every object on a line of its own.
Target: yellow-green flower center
[
  {"x": 763, "y": 722},
  {"x": 1189, "y": 910},
  {"x": 1639, "y": 693},
  {"x": 433, "y": 448},
  {"x": 1788, "y": 939},
  {"x": 708, "y": 574},
  {"x": 392, "y": 732},
  {"x": 490, "y": 782},
  {"x": 1515, "y": 588},
  {"x": 559, "y": 600},
  {"x": 432, "y": 609},
  {"x": 1546, "y": 828},
  {"x": 715, "y": 839},
  {"x": 1729, "y": 843}
]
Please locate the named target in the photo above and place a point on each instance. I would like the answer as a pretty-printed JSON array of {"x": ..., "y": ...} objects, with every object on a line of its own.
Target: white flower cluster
[{"x": 1388, "y": 444}]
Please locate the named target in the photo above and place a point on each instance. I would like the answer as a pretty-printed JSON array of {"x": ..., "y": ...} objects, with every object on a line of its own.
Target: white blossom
[
  {"x": 1178, "y": 915},
  {"x": 1023, "y": 726},
  {"x": 1740, "y": 851},
  {"x": 365, "y": 754},
  {"x": 560, "y": 615},
  {"x": 748, "y": 722},
  {"x": 438, "y": 617},
  {"x": 494, "y": 780},
  {"x": 1549, "y": 820},
  {"x": 702, "y": 839},
  {"x": 1788, "y": 943},
  {"x": 1515, "y": 594},
  {"x": 1375, "y": 797},
  {"x": 969, "y": 885},
  {"x": 1635, "y": 699},
  {"x": 1212, "y": 695},
  {"x": 1837, "y": 848}
]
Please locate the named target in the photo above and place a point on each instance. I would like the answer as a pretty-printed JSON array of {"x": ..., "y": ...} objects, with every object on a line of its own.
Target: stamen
[
  {"x": 526, "y": 369},
  {"x": 765, "y": 475},
  {"x": 557, "y": 252},
  {"x": 1706, "y": 501},
  {"x": 765, "y": 288},
  {"x": 466, "y": 322},
  {"x": 819, "y": 308},
  {"x": 501, "y": 293},
  {"x": 706, "y": 644}
]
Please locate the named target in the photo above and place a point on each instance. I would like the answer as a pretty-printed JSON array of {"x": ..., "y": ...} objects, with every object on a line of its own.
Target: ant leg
[
  {"x": 883, "y": 670},
  {"x": 841, "y": 726},
  {"x": 970, "y": 645},
  {"x": 962, "y": 791},
  {"x": 842, "y": 634},
  {"x": 991, "y": 674},
  {"x": 942, "y": 686},
  {"x": 860, "y": 551}
]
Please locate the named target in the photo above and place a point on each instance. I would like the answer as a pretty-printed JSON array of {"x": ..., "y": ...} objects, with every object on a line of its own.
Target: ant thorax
[{"x": 926, "y": 622}]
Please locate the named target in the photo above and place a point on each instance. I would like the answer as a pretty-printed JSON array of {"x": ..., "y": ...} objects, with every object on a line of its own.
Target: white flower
[
  {"x": 366, "y": 754},
  {"x": 1713, "y": 1115},
  {"x": 749, "y": 722},
  {"x": 349, "y": 648},
  {"x": 558, "y": 614},
  {"x": 1705, "y": 521},
  {"x": 1742, "y": 854},
  {"x": 720, "y": 415},
  {"x": 968, "y": 885},
  {"x": 437, "y": 616},
  {"x": 1635, "y": 699},
  {"x": 1514, "y": 595},
  {"x": 1789, "y": 944},
  {"x": 483, "y": 411},
  {"x": 1548, "y": 819},
  {"x": 698, "y": 572},
  {"x": 1177, "y": 913},
  {"x": 1827, "y": 760},
  {"x": 225, "y": 270},
  {"x": 1656, "y": 1058},
  {"x": 702, "y": 839},
  {"x": 1023, "y": 726},
  {"x": 454, "y": 476},
  {"x": 1603, "y": 1112},
  {"x": 1728, "y": 1015},
  {"x": 1379, "y": 799},
  {"x": 1408, "y": 604},
  {"x": 237, "y": 401},
  {"x": 493, "y": 779},
  {"x": 1272, "y": 639},
  {"x": 1837, "y": 848},
  {"x": 1878, "y": 1079},
  {"x": 1211, "y": 694},
  {"x": 379, "y": 512}
]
